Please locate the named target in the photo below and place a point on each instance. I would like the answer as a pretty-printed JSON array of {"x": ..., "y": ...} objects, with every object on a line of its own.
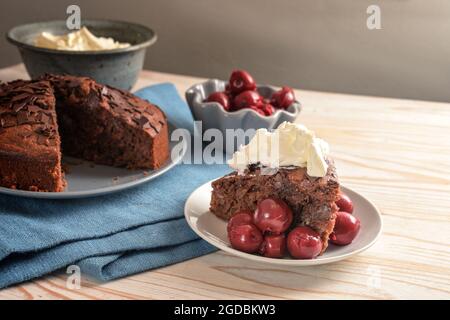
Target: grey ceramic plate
[
  {"x": 214, "y": 230},
  {"x": 84, "y": 179}
]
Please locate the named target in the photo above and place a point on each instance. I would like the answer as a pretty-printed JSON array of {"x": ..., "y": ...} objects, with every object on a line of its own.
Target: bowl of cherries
[
  {"x": 270, "y": 231},
  {"x": 240, "y": 103}
]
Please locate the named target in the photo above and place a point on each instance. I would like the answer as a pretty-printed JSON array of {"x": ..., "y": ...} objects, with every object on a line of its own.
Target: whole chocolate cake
[
  {"x": 82, "y": 118},
  {"x": 109, "y": 126},
  {"x": 30, "y": 156}
]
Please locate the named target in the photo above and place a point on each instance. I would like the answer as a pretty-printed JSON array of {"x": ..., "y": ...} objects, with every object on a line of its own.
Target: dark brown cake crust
[
  {"x": 96, "y": 122},
  {"x": 109, "y": 126},
  {"x": 311, "y": 199},
  {"x": 29, "y": 141}
]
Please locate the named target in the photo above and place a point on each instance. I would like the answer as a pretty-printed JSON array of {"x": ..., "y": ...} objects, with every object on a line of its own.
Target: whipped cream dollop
[
  {"x": 81, "y": 40},
  {"x": 290, "y": 145}
]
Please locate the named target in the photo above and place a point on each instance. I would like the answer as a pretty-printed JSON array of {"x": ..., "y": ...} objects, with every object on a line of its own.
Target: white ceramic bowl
[{"x": 213, "y": 115}]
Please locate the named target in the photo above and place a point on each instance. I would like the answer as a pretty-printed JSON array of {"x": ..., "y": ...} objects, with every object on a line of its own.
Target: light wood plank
[{"x": 395, "y": 152}]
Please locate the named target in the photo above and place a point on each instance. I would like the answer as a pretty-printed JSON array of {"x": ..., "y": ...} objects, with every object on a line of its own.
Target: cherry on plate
[
  {"x": 221, "y": 98},
  {"x": 240, "y": 81},
  {"x": 247, "y": 99},
  {"x": 304, "y": 243},
  {"x": 246, "y": 238},
  {"x": 345, "y": 203},
  {"x": 283, "y": 98},
  {"x": 273, "y": 246},
  {"x": 240, "y": 218},
  {"x": 273, "y": 216},
  {"x": 346, "y": 229}
]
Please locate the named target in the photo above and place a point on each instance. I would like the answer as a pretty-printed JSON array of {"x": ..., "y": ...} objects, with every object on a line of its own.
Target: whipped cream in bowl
[
  {"x": 80, "y": 40},
  {"x": 290, "y": 145}
]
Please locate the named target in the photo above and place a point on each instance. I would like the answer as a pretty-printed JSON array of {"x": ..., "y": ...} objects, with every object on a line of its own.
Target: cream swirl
[
  {"x": 290, "y": 145},
  {"x": 81, "y": 40}
]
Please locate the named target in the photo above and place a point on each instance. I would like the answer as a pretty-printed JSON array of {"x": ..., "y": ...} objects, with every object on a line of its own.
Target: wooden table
[{"x": 395, "y": 152}]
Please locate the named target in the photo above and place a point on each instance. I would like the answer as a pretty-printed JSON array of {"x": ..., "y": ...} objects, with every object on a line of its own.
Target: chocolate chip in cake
[
  {"x": 34, "y": 108},
  {"x": 44, "y": 118},
  {"x": 22, "y": 117},
  {"x": 19, "y": 106},
  {"x": 9, "y": 121},
  {"x": 20, "y": 97},
  {"x": 142, "y": 121}
]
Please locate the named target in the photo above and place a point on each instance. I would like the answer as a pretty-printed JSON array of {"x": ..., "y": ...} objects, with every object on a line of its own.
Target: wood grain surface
[{"x": 395, "y": 152}]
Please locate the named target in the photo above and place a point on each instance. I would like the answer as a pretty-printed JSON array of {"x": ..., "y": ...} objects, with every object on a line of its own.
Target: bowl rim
[
  {"x": 151, "y": 35},
  {"x": 194, "y": 89}
]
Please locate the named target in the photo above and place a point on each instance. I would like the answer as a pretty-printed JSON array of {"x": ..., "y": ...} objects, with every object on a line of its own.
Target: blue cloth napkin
[{"x": 110, "y": 236}]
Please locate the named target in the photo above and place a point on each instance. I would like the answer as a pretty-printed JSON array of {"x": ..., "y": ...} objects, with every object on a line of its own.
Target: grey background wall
[{"x": 316, "y": 44}]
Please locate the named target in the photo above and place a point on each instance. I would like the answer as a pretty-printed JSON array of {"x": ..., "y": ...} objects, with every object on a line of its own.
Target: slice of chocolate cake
[
  {"x": 30, "y": 157},
  {"x": 311, "y": 199},
  {"x": 109, "y": 126},
  {"x": 290, "y": 164}
]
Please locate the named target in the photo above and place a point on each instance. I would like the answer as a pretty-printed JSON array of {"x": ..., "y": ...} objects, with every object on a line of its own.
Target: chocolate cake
[
  {"x": 82, "y": 118},
  {"x": 311, "y": 199},
  {"x": 30, "y": 156},
  {"x": 109, "y": 126}
]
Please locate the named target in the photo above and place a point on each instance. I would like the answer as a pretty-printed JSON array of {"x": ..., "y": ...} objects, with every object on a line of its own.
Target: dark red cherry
[
  {"x": 221, "y": 98},
  {"x": 267, "y": 108},
  {"x": 272, "y": 216},
  {"x": 240, "y": 81},
  {"x": 239, "y": 218},
  {"x": 247, "y": 99},
  {"x": 283, "y": 98},
  {"x": 273, "y": 246},
  {"x": 304, "y": 243},
  {"x": 346, "y": 228},
  {"x": 345, "y": 203},
  {"x": 246, "y": 238},
  {"x": 258, "y": 110}
]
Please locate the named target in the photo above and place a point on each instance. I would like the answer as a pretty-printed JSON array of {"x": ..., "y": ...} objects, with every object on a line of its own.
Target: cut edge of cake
[{"x": 29, "y": 139}]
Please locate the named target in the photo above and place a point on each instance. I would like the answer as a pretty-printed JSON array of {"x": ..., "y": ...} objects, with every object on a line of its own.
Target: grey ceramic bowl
[
  {"x": 118, "y": 68},
  {"x": 213, "y": 115}
]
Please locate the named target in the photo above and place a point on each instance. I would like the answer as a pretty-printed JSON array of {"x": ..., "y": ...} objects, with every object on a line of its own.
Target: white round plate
[
  {"x": 85, "y": 179},
  {"x": 214, "y": 230}
]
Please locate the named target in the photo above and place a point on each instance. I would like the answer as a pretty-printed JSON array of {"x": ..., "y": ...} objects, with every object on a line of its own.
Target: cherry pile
[
  {"x": 241, "y": 93},
  {"x": 269, "y": 232}
]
